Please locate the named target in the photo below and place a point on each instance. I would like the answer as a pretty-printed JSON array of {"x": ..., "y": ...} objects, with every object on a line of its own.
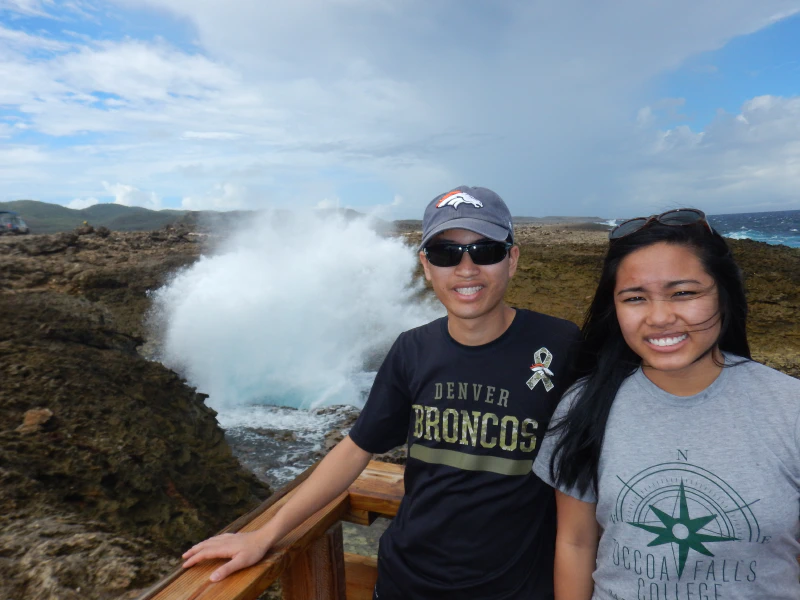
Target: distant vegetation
[{"x": 43, "y": 217}]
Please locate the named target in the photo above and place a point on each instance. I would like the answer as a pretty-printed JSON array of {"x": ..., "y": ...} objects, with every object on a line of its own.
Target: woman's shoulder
[
  {"x": 772, "y": 395},
  {"x": 753, "y": 374}
]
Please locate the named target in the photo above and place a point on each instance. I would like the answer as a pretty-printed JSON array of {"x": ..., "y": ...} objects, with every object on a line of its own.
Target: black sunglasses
[
  {"x": 448, "y": 254},
  {"x": 672, "y": 218}
]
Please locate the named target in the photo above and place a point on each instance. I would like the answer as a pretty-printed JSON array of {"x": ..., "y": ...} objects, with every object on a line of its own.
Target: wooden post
[
  {"x": 362, "y": 573},
  {"x": 318, "y": 573}
]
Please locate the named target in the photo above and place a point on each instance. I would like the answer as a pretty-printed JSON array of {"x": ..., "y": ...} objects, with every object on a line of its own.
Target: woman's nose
[{"x": 660, "y": 313}]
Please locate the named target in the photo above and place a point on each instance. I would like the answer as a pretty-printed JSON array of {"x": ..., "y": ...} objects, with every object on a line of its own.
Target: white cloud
[
  {"x": 19, "y": 39},
  {"x": 328, "y": 203},
  {"x": 34, "y": 8},
  {"x": 225, "y": 196},
  {"x": 81, "y": 203},
  {"x": 23, "y": 166},
  {"x": 386, "y": 211},
  {"x": 210, "y": 135},
  {"x": 751, "y": 158},
  {"x": 300, "y": 100},
  {"x": 128, "y": 195}
]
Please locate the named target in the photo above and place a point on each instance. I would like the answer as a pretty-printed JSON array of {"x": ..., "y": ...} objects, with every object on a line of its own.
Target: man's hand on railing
[
  {"x": 243, "y": 549},
  {"x": 333, "y": 476}
]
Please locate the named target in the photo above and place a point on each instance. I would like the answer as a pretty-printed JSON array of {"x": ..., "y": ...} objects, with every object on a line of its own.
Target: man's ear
[
  {"x": 426, "y": 266},
  {"x": 513, "y": 260}
]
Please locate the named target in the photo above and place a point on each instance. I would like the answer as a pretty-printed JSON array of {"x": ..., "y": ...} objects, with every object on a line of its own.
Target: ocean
[{"x": 780, "y": 227}]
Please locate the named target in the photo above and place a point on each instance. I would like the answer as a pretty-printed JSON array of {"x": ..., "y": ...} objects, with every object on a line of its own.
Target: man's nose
[{"x": 466, "y": 266}]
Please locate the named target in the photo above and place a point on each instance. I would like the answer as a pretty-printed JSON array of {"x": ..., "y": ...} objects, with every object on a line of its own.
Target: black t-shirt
[{"x": 475, "y": 522}]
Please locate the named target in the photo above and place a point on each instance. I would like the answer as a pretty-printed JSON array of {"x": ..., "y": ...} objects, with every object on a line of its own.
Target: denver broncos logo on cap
[{"x": 455, "y": 198}]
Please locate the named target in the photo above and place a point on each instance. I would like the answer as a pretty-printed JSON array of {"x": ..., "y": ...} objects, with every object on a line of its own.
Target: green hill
[{"x": 43, "y": 217}]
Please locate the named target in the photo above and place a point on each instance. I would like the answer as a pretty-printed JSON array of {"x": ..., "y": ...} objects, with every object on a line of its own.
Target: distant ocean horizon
[{"x": 777, "y": 227}]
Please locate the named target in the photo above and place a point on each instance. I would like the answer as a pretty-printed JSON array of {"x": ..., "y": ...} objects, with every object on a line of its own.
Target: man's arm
[
  {"x": 333, "y": 476},
  {"x": 576, "y": 548}
]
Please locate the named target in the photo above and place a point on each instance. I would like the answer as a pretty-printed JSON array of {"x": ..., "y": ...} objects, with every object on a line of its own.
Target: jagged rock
[
  {"x": 118, "y": 465},
  {"x": 65, "y": 557},
  {"x": 84, "y": 229},
  {"x": 34, "y": 420},
  {"x": 282, "y": 435},
  {"x": 48, "y": 244}
]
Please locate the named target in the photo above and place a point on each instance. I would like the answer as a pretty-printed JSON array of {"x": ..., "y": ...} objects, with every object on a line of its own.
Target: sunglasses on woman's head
[
  {"x": 449, "y": 254},
  {"x": 672, "y": 218}
]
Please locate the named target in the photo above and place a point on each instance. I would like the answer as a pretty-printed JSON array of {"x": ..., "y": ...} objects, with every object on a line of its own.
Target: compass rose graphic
[
  {"x": 683, "y": 531},
  {"x": 687, "y": 508}
]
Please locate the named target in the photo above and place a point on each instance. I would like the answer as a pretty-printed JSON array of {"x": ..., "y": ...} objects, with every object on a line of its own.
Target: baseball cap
[{"x": 475, "y": 209}]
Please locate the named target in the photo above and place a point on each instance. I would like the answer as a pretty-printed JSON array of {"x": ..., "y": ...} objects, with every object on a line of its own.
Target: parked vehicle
[{"x": 12, "y": 223}]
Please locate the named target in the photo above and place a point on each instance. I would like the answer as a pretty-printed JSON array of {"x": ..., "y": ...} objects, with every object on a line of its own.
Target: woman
[{"x": 675, "y": 458}]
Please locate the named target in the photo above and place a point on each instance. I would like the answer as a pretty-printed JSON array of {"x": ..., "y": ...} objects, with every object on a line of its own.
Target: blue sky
[
  {"x": 611, "y": 109},
  {"x": 766, "y": 62}
]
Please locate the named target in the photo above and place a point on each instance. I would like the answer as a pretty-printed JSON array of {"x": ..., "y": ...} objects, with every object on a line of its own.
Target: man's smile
[{"x": 469, "y": 291}]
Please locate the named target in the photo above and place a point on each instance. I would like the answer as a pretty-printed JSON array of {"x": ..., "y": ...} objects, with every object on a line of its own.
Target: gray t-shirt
[{"x": 699, "y": 497}]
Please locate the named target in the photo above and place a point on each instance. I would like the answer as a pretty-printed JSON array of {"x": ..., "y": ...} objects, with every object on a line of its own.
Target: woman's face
[{"x": 668, "y": 310}]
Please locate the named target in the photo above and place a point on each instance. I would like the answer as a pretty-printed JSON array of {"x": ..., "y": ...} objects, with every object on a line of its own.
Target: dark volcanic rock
[
  {"x": 110, "y": 465},
  {"x": 65, "y": 557},
  {"x": 48, "y": 244}
]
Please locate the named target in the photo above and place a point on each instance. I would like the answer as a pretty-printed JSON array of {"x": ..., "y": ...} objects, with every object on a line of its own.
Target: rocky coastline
[
  {"x": 111, "y": 460},
  {"x": 110, "y": 465}
]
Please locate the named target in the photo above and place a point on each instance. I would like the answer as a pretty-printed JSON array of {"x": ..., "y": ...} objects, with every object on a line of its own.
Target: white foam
[
  {"x": 743, "y": 234},
  {"x": 254, "y": 416},
  {"x": 289, "y": 311},
  {"x": 758, "y": 236}
]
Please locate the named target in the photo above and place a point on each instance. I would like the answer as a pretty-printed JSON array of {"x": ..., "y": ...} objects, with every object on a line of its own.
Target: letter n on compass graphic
[{"x": 687, "y": 507}]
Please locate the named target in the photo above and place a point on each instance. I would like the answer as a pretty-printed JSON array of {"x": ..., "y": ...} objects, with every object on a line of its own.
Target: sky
[{"x": 613, "y": 109}]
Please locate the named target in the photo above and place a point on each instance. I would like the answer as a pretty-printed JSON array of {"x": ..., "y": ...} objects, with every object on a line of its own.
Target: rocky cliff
[{"x": 110, "y": 465}]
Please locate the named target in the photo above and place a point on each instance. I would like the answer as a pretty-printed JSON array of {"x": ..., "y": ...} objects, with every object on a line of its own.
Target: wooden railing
[{"x": 309, "y": 560}]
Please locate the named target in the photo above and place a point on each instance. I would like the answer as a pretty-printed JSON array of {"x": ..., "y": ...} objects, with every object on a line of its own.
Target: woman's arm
[{"x": 576, "y": 548}]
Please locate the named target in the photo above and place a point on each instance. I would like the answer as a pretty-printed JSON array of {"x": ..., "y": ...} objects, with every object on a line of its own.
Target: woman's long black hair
[{"x": 604, "y": 360}]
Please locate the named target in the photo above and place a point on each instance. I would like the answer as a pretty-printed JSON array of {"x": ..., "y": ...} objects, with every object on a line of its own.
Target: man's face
[{"x": 469, "y": 291}]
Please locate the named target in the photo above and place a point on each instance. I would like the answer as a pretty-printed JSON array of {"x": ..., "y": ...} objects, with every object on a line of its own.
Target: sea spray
[{"x": 290, "y": 310}]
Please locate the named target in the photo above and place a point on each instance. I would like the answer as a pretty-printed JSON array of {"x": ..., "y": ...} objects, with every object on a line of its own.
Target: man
[{"x": 472, "y": 394}]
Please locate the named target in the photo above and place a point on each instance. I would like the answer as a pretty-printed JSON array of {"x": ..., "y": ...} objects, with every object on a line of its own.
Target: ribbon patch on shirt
[{"x": 541, "y": 360}]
